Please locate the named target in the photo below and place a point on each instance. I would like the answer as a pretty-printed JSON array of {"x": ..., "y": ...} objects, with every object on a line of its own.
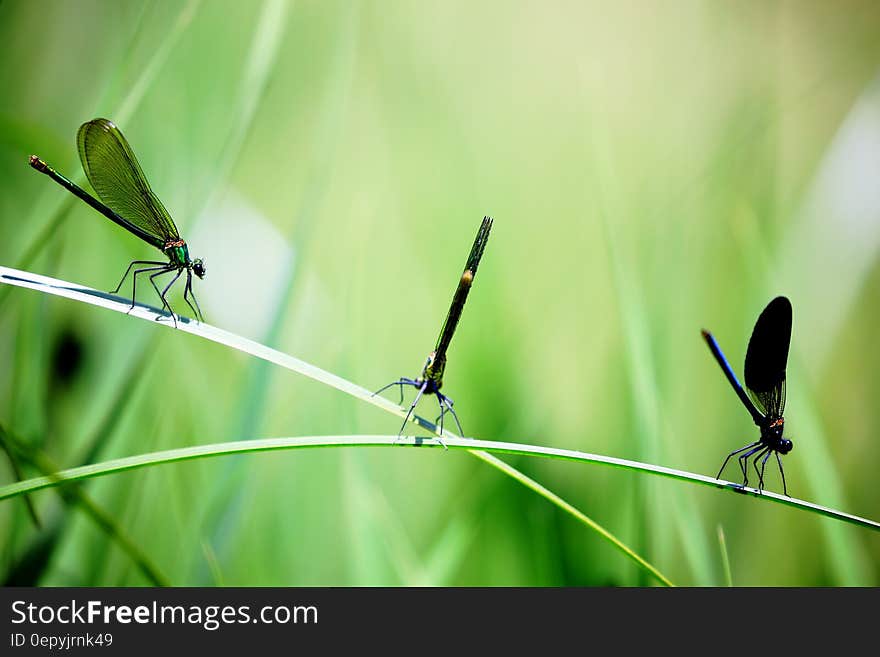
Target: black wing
[
  {"x": 116, "y": 177},
  {"x": 767, "y": 356}
]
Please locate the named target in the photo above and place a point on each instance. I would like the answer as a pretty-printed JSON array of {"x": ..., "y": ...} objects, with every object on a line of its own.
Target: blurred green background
[{"x": 653, "y": 169}]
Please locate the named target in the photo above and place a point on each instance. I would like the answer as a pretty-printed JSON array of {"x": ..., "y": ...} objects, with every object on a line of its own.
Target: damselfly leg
[{"x": 737, "y": 451}]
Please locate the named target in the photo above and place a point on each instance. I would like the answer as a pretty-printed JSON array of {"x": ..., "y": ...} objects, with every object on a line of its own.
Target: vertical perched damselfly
[{"x": 431, "y": 380}]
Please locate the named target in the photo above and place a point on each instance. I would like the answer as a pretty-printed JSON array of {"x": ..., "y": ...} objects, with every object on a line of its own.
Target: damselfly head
[
  {"x": 785, "y": 446},
  {"x": 199, "y": 267}
]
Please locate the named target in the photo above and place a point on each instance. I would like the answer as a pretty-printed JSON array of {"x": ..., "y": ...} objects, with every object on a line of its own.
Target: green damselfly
[
  {"x": 431, "y": 380},
  {"x": 128, "y": 201}
]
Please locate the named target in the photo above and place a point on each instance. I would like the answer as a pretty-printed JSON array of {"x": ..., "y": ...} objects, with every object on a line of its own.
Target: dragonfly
[
  {"x": 431, "y": 379},
  {"x": 127, "y": 200},
  {"x": 766, "y": 359}
]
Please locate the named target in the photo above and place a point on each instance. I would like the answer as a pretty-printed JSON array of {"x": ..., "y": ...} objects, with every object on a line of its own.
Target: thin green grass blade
[
  {"x": 160, "y": 55},
  {"x": 222, "y": 508},
  {"x": 129, "y": 382},
  {"x": 449, "y": 443},
  {"x": 558, "y": 501},
  {"x": 379, "y": 539},
  {"x": 259, "y": 378},
  {"x": 102, "y": 299},
  {"x": 112, "y": 302},
  {"x": 449, "y": 550},
  {"x": 42, "y": 240},
  {"x": 213, "y": 564},
  {"x": 17, "y": 473},
  {"x": 847, "y": 559},
  {"x": 73, "y": 496},
  {"x": 612, "y": 200},
  {"x": 725, "y": 559},
  {"x": 259, "y": 64}
]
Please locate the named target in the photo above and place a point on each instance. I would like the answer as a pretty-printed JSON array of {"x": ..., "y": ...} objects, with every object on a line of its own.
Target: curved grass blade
[
  {"x": 94, "y": 297},
  {"x": 111, "y": 302},
  {"x": 223, "y": 507},
  {"x": 478, "y": 448},
  {"x": 17, "y": 473},
  {"x": 97, "y": 298},
  {"x": 562, "y": 504},
  {"x": 35, "y": 561},
  {"x": 654, "y": 527},
  {"x": 725, "y": 558},
  {"x": 467, "y": 444}
]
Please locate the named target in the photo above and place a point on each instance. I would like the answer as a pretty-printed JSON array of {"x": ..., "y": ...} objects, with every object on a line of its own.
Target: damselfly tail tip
[
  {"x": 706, "y": 335},
  {"x": 37, "y": 163}
]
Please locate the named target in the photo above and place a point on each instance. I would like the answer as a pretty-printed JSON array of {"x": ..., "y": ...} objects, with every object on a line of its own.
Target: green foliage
[{"x": 652, "y": 171}]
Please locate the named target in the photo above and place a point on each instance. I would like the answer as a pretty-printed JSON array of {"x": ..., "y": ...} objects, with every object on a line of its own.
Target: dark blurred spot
[{"x": 67, "y": 356}]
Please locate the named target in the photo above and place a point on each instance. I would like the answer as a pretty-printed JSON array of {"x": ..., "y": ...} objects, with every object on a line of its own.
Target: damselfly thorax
[
  {"x": 178, "y": 256},
  {"x": 772, "y": 436},
  {"x": 177, "y": 253},
  {"x": 433, "y": 372}
]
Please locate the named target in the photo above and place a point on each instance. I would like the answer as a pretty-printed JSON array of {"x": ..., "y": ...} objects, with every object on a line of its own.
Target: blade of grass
[
  {"x": 160, "y": 54},
  {"x": 847, "y": 559},
  {"x": 610, "y": 198},
  {"x": 644, "y": 387},
  {"x": 377, "y": 532},
  {"x": 725, "y": 559},
  {"x": 482, "y": 449},
  {"x": 131, "y": 379},
  {"x": 42, "y": 240},
  {"x": 450, "y": 550},
  {"x": 213, "y": 563},
  {"x": 102, "y": 299},
  {"x": 558, "y": 501},
  {"x": 112, "y": 302},
  {"x": 105, "y": 300},
  {"x": 73, "y": 496},
  {"x": 122, "y": 305},
  {"x": 44, "y": 546},
  {"x": 265, "y": 44},
  {"x": 16, "y": 471},
  {"x": 476, "y": 447},
  {"x": 222, "y": 512}
]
